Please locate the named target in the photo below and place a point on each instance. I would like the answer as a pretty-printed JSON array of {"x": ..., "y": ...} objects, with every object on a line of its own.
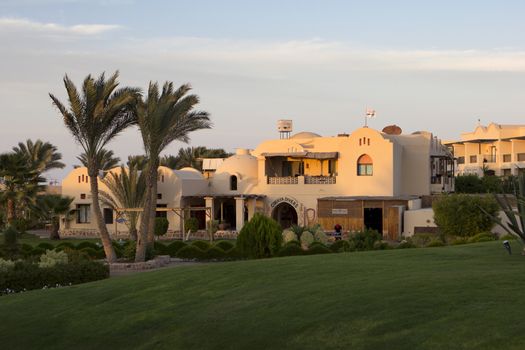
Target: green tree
[
  {"x": 105, "y": 158},
  {"x": 163, "y": 117},
  {"x": 261, "y": 237},
  {"x": 50, "y": 207},
  {"x": 94, "y": 117},
  {"x": 137, "y": 161},
  {"x": 463, "y": 214},
  {"x": 127, "y": 189},
  {"x": 41, "y": 155}
]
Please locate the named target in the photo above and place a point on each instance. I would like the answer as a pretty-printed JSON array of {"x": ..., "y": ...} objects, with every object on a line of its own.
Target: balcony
[
  {"x": 283, "y": 180},
  {"x": 489, "y": 158},
  {"x": 319, "y": 180}
]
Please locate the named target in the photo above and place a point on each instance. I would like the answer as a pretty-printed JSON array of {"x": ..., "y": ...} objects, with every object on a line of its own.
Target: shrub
[
  {"x": 202, "y": 245},
  {"x": 507, "y": 237},
  {"x": 191, "y": 224},
  {"x": 52, "y": 258},
  {"x": 318, "y": 249},
  {"x": 37, "y": 251},
  {"x": 464, "y": 215},
  {"x": 381, "y": 245},
  {"x": 65, "y": 245},
  {"x": 422, "y": 239},
  {"x": 75, "y": 256},
  {"x": 225, "y": 245},
  {"x": 92, "y": 253},
  {"x": 320, "y": 236},
  {"x": 288, "y": 236},
  {"x": 435, "y": 243},
  {"x": 469, "y": 183},
  {"x": 365, "y": 240},
  {"x": 405, "y": 244},
  {"x": 233, "y": 254},
  {"x": 297, "y": 243},
  {"x": 46, "y": 246},
  {"x": 161, "y": 226},
  {"x": 86, "y": 244},
  {"x": 316, "y": 244},
  {"x": 174, "y": 247},
  {"x": 10, "y": 237},
  {"x": 307, "y": 238},
  {"x": 6, "y": 265},
  {"x": 26, "y": 250},
  {"x": 290, "y": 250},
  {"x": 259, "y": 238},
  {"x": 160, "y": 249},
  {"x": 190, "y": 252},
  {"x": 214, "y": 253},
  {"x": 28, "y": 276},
  {"x": 459, "y": 241},
  {"x": 128, "y": 252},
  {"x": 482, "y": 237},
  {"x": 340, "y": 246}
]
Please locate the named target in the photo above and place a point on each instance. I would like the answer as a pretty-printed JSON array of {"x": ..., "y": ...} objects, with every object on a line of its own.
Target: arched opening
[
  {"x": 365, "y": 165},
  {"x": 233, "y": 183},
  {"x": 285, "y": 215}
]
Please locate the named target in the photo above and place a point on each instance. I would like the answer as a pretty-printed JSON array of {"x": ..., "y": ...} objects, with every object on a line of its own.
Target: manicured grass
[{"x": 459, "y": 297}]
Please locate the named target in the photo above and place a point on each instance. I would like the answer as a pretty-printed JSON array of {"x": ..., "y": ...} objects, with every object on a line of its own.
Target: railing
[
  {"x": 319, "y": 180},
  {"x": 490, "y": 158},
  {"x": 283, "y": 180}
]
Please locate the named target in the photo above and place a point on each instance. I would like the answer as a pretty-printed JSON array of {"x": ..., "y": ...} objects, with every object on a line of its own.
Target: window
[
  {"x": 161, "y": 214},
  {"x": 461, "y": 160},
  {"x": 521, "y": 157},
  {"x": 473, "y": 159},
  {"x": 506, "y": 158},
  {"x": 233, "y": 183},
  {"x": 332, "y": 166},
  {"x": 108, "y": 216},
  {"x": 159, "y": 195},
  {"x": 365, "y": 165},
  {"x": 83, "y": 213}
]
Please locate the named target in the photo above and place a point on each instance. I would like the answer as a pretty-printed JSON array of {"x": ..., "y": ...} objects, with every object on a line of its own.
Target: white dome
[
  {"x": 305, "y": 135},
  {"x": 244, "y": 165},
  {"x": 188, "y": 173}
]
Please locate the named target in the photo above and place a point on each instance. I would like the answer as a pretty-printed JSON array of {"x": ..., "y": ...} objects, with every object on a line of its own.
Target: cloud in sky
[{"x": 21, "y": 24}]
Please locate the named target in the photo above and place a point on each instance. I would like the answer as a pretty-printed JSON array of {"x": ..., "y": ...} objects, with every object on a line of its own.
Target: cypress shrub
[
  {"x": 161, "y": 226},
  {"x": 261, "y": 237}
]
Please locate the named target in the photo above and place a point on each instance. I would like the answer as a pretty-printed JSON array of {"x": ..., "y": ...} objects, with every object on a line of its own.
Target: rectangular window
[
  {"x": 83, "y": 213},
  {"x": 521, "y": 157},
  {"x": 161, "y": 214},
  {"x": 473, "y": 159},
  {"x": 506, "y": 158},
  {"x": 159, "y": 195},
  {"x": 331, "y": 167},
  {"x": 461, "y": 160},
  {"x": 108, "y": 216}
]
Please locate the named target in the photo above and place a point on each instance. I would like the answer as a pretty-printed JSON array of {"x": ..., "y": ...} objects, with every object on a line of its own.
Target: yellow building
[
  {"x": 364, "y": 179},
  {"x": 495, "y": 149}
]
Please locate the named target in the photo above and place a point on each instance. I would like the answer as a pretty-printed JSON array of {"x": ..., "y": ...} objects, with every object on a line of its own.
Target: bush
[
  {"x": 214, "y": 253},
  {"x": 340, "y": 246},
  {"x": 320, "y": 236},
  {"x": 482, "y": 237},
  {"x": 405, "y": 244},
  {"x": 507, "y": 237},
  {"x": 190, "y": 252},
  {"x": 317, "y": 244},
  {"x": 65, "y": 245},
  {"x": 26, "y": 250},
  {"x": 161, "y": 226},
  {"x": 52, "y": 258},
  {"x": 318, "y": 249},
  {"x": 422, "y": 239},
  {"x": 469, "y": 183},
  {"x": 307, "y": 238},
  {"x": 459, "y": 240},
  {"x": 435, "y": 243},
  {"x": 225, "y": 245},
  {"x": 6, "y": 265},
  {"x": 365, "y": 240},
  {"x": 202, "y": 245},
  {"x": 191, "y": 224},
  {"x": 86, "y": 244},
  {"x": 288, "y": 236},
  {"x": 10, "y": 237},
  {"x": 233, "y": 254},
  {"x": 381, "y": 245},
  {"x": 28, "y": 276},
  {"x": 462, "y": 215},
  {"x": 160, "y": 249},
  {"x": 92, "y": 253},
  {"x": 75, "y": 256},
  {"x": 174, "y": 247},
  {"x": 297, "y": 243},
  {"x": 291, "y": 250},
  {"x": 261, "y": 237},
  {"x": 46, "y": 246},
  {"x": 37, "y": 251}
]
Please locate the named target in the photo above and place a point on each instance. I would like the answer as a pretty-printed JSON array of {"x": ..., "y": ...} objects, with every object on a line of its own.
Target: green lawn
[{"x": 460, "y": 297}]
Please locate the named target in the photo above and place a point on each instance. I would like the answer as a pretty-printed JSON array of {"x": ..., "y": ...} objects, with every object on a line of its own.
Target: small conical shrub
[{"x": 261, "y": 237}]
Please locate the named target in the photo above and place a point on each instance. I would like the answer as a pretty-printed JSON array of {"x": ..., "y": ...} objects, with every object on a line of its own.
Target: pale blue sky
[{"x": 430, "y": 65}]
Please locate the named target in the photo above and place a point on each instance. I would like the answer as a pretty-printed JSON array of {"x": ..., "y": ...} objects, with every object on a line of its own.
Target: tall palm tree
[
  {"x": 94, "y": 116},
  {"x": 105, "y": 159},
  {"x": 127, "y": 189},
  {"x": 20, "y": 183},
  {"x": 43, "y": 156},
  {"x": 163, "y": 117},
  {"x": 50, "y": 207},
  {"x": 137, "y": 161},
  {"x": 191, "y": 157}
]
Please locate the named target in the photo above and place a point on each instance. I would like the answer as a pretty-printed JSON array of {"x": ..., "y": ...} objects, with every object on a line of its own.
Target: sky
[{"x": 423, "y": 65}]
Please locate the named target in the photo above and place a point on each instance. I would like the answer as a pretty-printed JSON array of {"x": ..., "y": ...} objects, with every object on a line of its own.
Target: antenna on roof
[{"x": 370, "y": 113}]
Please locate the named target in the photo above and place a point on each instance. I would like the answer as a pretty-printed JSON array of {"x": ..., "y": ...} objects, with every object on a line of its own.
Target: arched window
[
  {"x": 365, "y": 166},
  {"x": 233, "y": 183}
]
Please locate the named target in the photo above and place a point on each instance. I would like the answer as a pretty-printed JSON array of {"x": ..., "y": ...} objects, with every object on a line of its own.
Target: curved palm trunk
[
  {"x": 102, "y": 229},
  {"x": 133, "y": 226},
  {"x": 147, "y": 215},
  {"x": 153, "y": 212},
  {"x": 54, "y": 229}
]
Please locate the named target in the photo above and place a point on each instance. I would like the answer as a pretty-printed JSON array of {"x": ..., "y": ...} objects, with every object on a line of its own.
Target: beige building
[
  {"x": 364, "y": 179},
  {"x": 497, "y": 149}
]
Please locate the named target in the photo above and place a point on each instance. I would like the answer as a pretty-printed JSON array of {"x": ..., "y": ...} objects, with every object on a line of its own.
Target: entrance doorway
[
  {"x": 285, "y": 215},
  {"x": 374, "y": 219}
]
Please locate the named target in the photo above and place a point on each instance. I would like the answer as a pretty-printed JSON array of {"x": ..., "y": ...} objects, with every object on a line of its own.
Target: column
[
  {"x": 209, "y": 204},
  {"x": 239, "y": 213}
]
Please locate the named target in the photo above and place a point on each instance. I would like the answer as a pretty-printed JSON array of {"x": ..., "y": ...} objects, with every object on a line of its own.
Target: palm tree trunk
[
  {"x": 54, "y": 229},
  {"x": 153, "y": 212},
  {"x": 10, "y": 211},
  {"x": 140, "y": 253},
  {"x": 102, "y": 229}
]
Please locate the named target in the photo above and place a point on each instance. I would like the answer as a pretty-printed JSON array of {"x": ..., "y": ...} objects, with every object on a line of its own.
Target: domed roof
[
  {"x": 242, "y": 164},
  {"x": 188, "y": 173},
  {"x": 305, "y": 135}
]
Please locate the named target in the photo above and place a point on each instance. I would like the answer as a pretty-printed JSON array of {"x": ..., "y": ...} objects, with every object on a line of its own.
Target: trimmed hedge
[
  {"x": 214, "y": 253},
  {"x": 87, "y": 245},
  {"x": 160, "y": 249},
  {"x": 482, "y": 237},
  {"x": 190, "y": 252},
  {"x": 291, "y": 250},
  {"x": 318, "y": 249},
  {"x": 45, "y": 246},
  {"x": 28, "y": 276},
  {"x": 225, "y": 245},
  {"x": 202, "y": 245},
  {"x": 174, "y": 247}
]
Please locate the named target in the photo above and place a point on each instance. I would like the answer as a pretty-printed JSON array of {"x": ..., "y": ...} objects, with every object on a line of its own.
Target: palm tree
[
  {"x": 163, "y": 117},
  {"x": 43, "y": 156},
  {"x": 50, "y": 207},
  {"x": 94, "y": 117},
  {"x": 137, "y": 161},
  {"x": 126, "y": 190},
  {"x": 170, "y": 161},
  {"x": 105, "y": 159},
  {"x": 20, "y": 183},
  {"x": 191, "y": 157}
]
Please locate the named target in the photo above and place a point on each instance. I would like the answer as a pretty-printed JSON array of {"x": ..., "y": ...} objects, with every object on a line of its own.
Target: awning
[{"x": 307, "y": 155}]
